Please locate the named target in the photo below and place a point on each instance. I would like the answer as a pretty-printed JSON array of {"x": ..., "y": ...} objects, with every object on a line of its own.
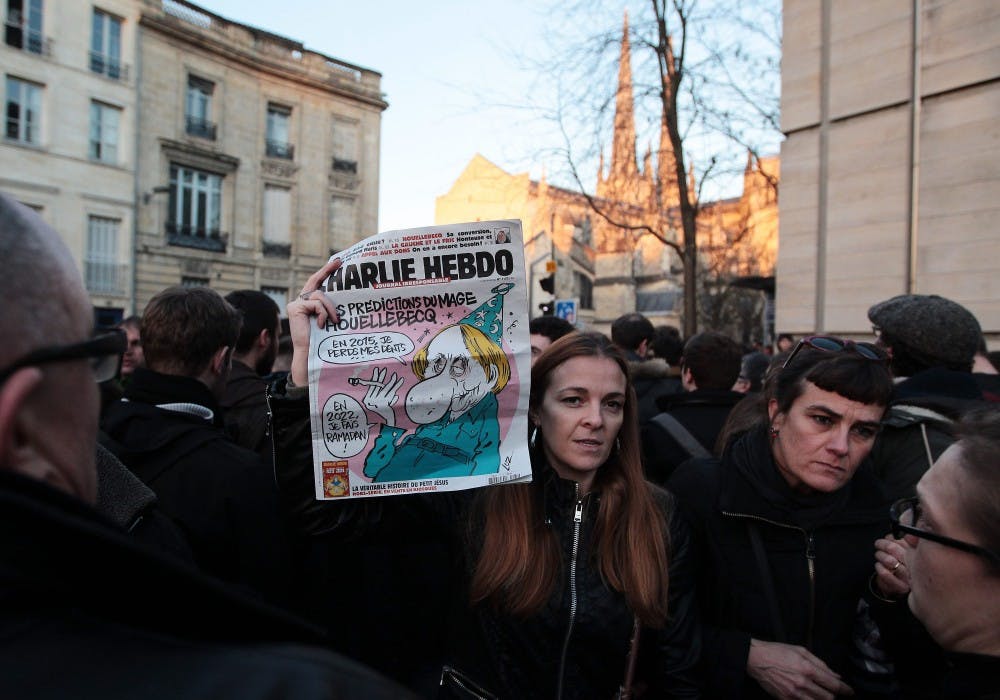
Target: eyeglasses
[
  {"x": 904, "y": 516},
  {"x": 830, "y": 343},
  {"x": 103, "y": 351}
]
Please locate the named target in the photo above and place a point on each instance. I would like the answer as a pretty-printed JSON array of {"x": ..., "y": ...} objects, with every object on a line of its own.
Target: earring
[
  {"x": 533, "y": 440},
  {"x": 774, "y": 432},
  {"x": 618, "y": 444}
]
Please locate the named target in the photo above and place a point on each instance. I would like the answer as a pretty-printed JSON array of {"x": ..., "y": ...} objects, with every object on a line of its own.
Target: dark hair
[
  {"x": 630, "y": 330},
  {"x": 552, "y": 327},
  {"x": 667, "y": 344},
  {"x": 259, "y": 313},
  {"x": 979, "y": 439},
  {"x": 846, "y": 373},
  {"x": 183, "y": 327},
  {"x": 714, "y": 360},
  {"x": 753, "y": 367},
  {"x": 520, "y": 559},
  {"x": 784, "y": 336},
  {"x": 131, "y": 322}
]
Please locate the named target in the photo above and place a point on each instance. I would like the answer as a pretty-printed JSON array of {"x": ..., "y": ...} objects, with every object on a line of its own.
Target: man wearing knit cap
[{"x": 931, "y": 341}]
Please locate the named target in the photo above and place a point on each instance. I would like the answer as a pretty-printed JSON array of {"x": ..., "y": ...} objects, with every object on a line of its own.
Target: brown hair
[
  {"x": 183, "y": 327},
  {"x": 520, "y": 560}
]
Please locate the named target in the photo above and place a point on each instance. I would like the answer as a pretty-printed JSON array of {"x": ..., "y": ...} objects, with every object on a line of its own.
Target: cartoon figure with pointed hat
[{"x": 461, "y": 370}]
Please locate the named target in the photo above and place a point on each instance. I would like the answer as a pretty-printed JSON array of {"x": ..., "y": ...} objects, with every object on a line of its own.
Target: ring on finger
[
  {"x": 893, "y": 569},
  {"x": 305, "y": 295}
]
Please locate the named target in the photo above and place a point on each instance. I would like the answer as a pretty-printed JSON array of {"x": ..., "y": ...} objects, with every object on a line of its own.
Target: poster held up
[{"x": 422, "y": 384}]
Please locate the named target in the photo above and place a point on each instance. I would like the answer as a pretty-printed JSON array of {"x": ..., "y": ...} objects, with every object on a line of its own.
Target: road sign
[{"x": 566, "y": 308}]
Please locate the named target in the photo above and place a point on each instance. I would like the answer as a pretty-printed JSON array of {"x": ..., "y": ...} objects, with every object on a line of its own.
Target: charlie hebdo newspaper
[{"x": 422, "y": 384}]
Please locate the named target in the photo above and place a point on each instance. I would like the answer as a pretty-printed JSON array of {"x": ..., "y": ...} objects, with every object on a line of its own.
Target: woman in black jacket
[
  {"x": 554, "y": 574},
  {"x": 784, "y": 524}
]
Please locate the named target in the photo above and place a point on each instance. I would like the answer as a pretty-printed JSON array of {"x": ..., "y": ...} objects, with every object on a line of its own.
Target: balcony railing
[
  {"x": 345, "y": 166},
  {"x": 192, "y": 237},
  {"x": 103, "y": 277},
  {"x": 20, "y": 38},
  {"x": 196, "y": 126},
  {"x": 110, "y": 66},
  {"x": 279, "y": 149},
  {"x": 277, "y": 250}
]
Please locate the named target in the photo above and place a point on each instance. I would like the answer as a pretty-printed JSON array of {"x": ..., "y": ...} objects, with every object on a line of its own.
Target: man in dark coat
[
  {"x": 245, "y": 398},
  {"x": 710, "y": 366},
  {"x": 168, "y": 431},
  {"x": 88, "y": 611}
]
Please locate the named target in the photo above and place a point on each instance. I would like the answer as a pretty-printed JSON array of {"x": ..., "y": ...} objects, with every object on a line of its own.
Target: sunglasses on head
[
  {"x": 103, "y": 351},
  {"x": 831, "y": 343}
]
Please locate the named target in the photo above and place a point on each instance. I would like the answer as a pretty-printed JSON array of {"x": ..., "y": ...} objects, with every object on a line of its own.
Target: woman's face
[
  {"x": 580, "y": 415},
  {"x": 951, "y": 592},
  {"x": 822, "y": 439}
]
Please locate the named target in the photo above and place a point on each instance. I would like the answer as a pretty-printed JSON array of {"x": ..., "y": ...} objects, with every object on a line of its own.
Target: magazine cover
[{"x": 422, "y": 383}]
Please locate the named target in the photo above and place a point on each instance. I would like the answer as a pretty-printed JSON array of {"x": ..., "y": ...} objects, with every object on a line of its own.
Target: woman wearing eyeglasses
[
  {"x": 945, "y": 553},
  {"x": 783, "y": 524}
]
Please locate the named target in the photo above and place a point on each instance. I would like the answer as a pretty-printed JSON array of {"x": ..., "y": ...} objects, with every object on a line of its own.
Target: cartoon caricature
[{"x": 454, "y": 404}]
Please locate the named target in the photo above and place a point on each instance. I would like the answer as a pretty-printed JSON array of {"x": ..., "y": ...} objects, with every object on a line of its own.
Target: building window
[
  {"x": 195, "y": 209},
  {"x": 102, "y": 272},
  {"x": 106, "y": 45},
  {"x": 23, "y": 111},
  {"x": 280, "y": 296},
  {"x": 343, "y": 222},
  {"x": 345, "y": 146},
  {"x": 277, "y": 221},
  {"x": 198, "y": 108},
  {"x": 278, "y": 119},
  {"x": 194, "y": 281},
  {"x": 584, "y": 290},
  {"x": 23, "y": 29},
  {"x": 104, "y": 121}
]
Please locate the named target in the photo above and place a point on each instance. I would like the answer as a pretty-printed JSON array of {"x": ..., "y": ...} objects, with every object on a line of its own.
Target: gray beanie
[{"x": 937, "y": 328}]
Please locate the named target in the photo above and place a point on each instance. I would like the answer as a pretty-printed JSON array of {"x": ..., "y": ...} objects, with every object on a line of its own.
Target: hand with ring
[
  {"x": 891, "y": 574},
  {"x": 301, "y": 311}
]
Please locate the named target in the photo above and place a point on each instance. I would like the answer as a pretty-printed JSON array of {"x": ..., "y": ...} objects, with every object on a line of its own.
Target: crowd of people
[{"x": 703, "y": 519}]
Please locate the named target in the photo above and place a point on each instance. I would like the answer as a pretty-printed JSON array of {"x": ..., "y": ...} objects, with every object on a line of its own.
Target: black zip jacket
[
  {"x": 575, "y": 647},
  {"x": 820, "y": 558}
]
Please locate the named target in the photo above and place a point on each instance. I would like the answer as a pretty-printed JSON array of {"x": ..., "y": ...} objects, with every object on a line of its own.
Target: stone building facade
[
  {"x": 257, "y": 157},
  {"x": 169, "y": 145},
  {"x": 890, "y": 182},
  {"x": 609, "y": 270},
  {"x": 68, "y": 147}
]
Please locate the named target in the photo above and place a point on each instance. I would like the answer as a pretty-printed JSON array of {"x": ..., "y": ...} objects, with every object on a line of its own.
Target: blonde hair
[{"x": 481, "y": 349}]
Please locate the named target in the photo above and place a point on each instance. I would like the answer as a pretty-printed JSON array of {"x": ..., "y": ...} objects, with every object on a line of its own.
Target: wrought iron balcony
[
  {"x": 202, "y": 128},
  {"x": 345, "y": 166},
  {"x": 192, "y": 237},
  {"x": 280, "y": 149},
  {"x": 31, "y": 41},
  {"x": 104, "y": 277},
  {"x": 110, "y": 66},
  {"x": 277, "y": 250}
]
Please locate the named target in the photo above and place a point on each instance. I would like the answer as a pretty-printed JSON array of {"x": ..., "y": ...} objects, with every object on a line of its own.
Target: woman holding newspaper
[{"x": 560, "y": 577}]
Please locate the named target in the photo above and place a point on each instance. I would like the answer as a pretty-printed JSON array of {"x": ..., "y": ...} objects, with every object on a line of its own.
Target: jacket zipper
[
  {"x": 810, "y": 565},
  {"x": 459, "y": 679},
  {"x": 577, "y": 520}
]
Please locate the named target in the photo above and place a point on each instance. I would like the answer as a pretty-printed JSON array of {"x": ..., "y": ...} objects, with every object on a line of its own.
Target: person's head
[
  {"x": 584, "y": 410},
  {"x": 257, "y": 345},
  {"x": 190, "y": 332},
  {"x": 580, "y": 402},
  {"x": 133, "y": 356},
  {"x": 457, "y": 369},
  {"x": 667, "y": 345},
  {"x": 545, "y": 330},
  {"x": 632, "y": 333},
  {"x": 921, "y": 331},
  {"x": 753, "y": 366},
  {"x": 953, "y": 546},
  {"x": 824, "y": 408},
  {"x": 710, "y": 361},
  {"x": 785, "y": 342},
  {"x": 48, "y": 409}
]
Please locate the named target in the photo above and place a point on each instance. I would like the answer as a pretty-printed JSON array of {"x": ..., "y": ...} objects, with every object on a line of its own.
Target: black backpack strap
[
  {"x": 768, "y": 581},
  {"x": 680, "y": 434}
]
